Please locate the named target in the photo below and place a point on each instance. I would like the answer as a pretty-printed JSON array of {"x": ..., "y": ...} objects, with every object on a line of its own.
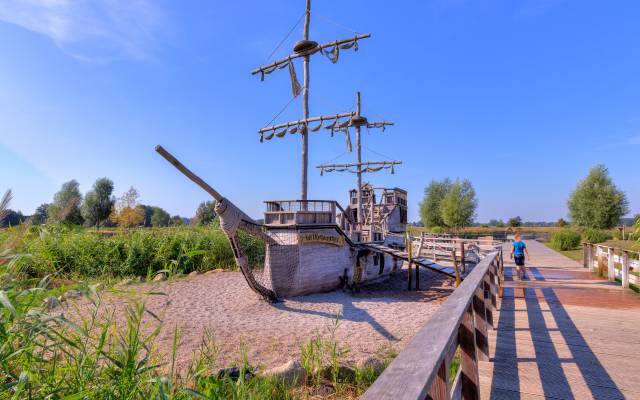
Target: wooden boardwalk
[{"x": 562, "y": 333}]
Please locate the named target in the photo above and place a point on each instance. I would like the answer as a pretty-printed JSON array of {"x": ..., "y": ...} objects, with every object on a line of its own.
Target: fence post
[
  {"x": 455, "y": 267},
  {"x": 468, "y": 358},
  {"x": 625, "y": 269},
  {"x": 585, "y": 255},
  {"x": 463, "y": 262},
  {"x": 408, "y": 249},
  {"x": 480, "y": 322},
  {"x": 590, "y": 257},
  {"x": 611, "y": 272}
]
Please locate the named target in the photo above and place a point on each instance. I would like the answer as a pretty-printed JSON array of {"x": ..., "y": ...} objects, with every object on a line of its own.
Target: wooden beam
[
  {"x": 306, "y": 121},
  {"x": 293, "y": 56}
]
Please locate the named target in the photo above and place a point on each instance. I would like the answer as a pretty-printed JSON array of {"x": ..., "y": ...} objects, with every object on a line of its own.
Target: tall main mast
[{"x": 305, "y": 49}]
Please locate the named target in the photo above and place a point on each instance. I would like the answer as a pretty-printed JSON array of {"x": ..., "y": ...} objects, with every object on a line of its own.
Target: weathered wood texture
[
  {"x": 563, "y": 333},
  {"x": 420, "y": 370}
]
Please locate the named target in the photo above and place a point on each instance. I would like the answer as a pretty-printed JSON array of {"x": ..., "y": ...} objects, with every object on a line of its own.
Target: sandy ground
[{"x": 379, "y": 315}]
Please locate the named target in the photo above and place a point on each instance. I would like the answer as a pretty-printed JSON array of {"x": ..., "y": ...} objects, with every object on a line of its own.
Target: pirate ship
[{"x": 317, "y": 245}]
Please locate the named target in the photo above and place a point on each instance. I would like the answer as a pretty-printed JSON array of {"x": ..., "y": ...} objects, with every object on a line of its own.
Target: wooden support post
[
  {"x": 625, "y": 268},
  {"x": 455, "y": 267},
  {"x": 439, "y": 389},
  {"x": 611, "y": 272},
  {"x": 489, "y": 298},
  {"x": 463, "y": 262},
  {"x": 468, "y": 357},
  {"x": 590, "y": 257},
  {"x": 480, "y": 323},
  {"x": 585, "y": 255},
  {"x": 408, "y": 249}
]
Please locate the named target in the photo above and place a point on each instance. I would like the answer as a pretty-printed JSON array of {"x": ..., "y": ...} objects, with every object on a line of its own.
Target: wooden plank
[
  {"x": 469, "y": 356},
  {"x": 411, "y": 373}
]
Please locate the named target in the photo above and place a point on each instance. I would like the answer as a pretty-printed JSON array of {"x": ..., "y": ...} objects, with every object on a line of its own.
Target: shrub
[
  {"x": 437, "y": 229},
  {"x": 565, "y": 240},
  {"x": 595, "y": 236}
]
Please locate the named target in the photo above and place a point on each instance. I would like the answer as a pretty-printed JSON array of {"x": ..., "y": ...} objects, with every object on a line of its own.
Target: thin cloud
[{"x": 90, "y": 30}]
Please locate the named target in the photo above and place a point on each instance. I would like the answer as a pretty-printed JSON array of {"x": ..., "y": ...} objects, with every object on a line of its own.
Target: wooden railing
[
  {"x": 459, "y": 327},
  {"x": 598, "y": 258}
]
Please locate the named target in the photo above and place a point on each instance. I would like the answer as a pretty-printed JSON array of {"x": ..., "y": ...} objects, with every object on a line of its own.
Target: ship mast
[
  {"x": 339, "y": 122},
  {"x": 361, "y": 167},
  {"x": 305, "y": 108}
]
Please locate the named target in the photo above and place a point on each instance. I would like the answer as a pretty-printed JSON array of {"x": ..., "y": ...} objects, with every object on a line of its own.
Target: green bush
[
  {"x": 76, "y": 251},
  {"x": 437, "y": 229},
  {"x": 595, "y": 236},
  {"x": 565, "y": 240}
]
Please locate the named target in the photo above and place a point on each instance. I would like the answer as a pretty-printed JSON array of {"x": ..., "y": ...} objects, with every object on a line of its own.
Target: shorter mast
[{"x": 360, "y": 167}]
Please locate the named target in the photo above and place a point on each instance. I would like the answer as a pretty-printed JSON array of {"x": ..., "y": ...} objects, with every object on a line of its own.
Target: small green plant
[
  {"x": 565, "y": 240},
  {"x": 595, "y": 236},
  {"x": 437, "y": 230}
]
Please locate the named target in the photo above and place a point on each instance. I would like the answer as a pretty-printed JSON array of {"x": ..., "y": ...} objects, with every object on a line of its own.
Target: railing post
[
  {"x": 463, "y": 262},
  {"x": 468, "y": 358},
  {"x": 455, "y": 267},
  {"x": 590, "y": 257},
  {"x": 611, "y": 272},
  {"x": 439, "y": 389},
  {"x": 480, "y": 322},
  {"x": 585, "y": 255},
  {"x": 625, "y": 269}
]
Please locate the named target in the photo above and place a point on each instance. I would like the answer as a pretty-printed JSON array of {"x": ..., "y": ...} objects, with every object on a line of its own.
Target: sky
[{"x": 520, "y": 97}]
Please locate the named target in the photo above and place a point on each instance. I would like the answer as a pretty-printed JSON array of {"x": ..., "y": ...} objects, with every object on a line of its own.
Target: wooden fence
[
  {"x": 457, "y": 329},
  {"x": 599, "y": 258}
]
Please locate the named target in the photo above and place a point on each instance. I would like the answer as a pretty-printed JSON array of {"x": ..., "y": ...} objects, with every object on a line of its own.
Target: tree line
[
  {"x": 99, "y": 207},
  {"x": 596, "y": 203}
]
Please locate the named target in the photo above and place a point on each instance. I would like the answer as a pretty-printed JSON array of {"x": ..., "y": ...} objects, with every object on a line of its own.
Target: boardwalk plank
[{"x": 562, "y": 334}]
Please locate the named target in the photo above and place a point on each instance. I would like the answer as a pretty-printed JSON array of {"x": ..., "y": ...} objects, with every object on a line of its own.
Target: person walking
[{"x": 518, "y": 253}]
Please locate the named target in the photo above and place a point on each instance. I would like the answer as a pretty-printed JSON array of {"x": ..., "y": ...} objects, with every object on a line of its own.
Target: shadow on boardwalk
[{"x": 544, "y": 348}]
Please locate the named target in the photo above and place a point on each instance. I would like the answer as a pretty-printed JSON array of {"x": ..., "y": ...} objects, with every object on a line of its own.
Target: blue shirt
[{"x": 518, "y": 248}]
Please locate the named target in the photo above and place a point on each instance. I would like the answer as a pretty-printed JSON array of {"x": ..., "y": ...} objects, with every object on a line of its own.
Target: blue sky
[{"x": 521, "y": 97}]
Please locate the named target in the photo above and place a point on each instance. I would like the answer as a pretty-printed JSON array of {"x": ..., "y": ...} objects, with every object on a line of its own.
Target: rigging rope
[
  {"x": 280, "y": 112},
  {"x": 380, "y": 154},
  {"x": 286, "y": 36},
  {"x": 336, "y": 24}
]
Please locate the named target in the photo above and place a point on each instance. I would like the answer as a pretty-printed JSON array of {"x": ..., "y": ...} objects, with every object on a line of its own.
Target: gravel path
[{"x": 379, "y": 315}]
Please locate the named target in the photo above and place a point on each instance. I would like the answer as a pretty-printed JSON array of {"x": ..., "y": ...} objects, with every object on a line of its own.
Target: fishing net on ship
[{"x": 268, "y": 260}]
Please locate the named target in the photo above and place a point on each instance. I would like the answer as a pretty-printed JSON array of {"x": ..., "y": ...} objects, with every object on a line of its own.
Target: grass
[
  {"x": 84, "y": 353},
  {"x": 75, "y": 252}
]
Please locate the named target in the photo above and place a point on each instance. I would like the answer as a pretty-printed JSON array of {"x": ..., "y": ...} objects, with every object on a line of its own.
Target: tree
[
  {"x": 148, "y": 213},
  {"x": 205, "y": 214},
  {"x": 11, "y": 218},
  {"x": 159, "y": 217},
  {"x": 66, "y": 204},
  {"x": 176, "y": 220},
  {"x": 98, "y": 203},
  {"x": 430, "y": 211},
  {"x": 500, "y": 224},
  {"x": 40, "y": 216},
  {"x": 596, "y": 202},
  {"x": 128, "y": 214},
  {"x": 515, "y": 222},
  {"x": 561, "y": 223},
  {"x": 459, "y": 205}
]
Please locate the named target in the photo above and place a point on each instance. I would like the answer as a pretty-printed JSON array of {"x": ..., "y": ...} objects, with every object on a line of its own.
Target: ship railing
[
  {"x": 457, "y": 331},
  {"x": 300, "y": 212}
]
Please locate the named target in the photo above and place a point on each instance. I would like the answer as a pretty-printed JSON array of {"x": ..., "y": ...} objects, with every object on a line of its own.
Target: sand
[{"x": 380, "y": 315}]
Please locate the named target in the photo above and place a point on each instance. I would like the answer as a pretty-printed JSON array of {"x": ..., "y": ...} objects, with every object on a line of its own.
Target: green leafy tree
[
  {"x": 160, "y": 217},
  {"x": 205, "y": 214},
  {"x": 66, "y": 204},
  {"x": 515, "y": 222},
  {"x": 176, "y": 220},
  {"x": 148, "y": 213},
  {"x": 596, "y": 202},
  {"x": 128, "y": 214},
  {"x": 98, "y": 203},
  {"x": 561, "y": 222},
  {"x": 430, "y": 210},
  {"x": 500, "y": 224},
  {"x": 40, "y": 216},
  {"x": 459, "y": 205}
]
